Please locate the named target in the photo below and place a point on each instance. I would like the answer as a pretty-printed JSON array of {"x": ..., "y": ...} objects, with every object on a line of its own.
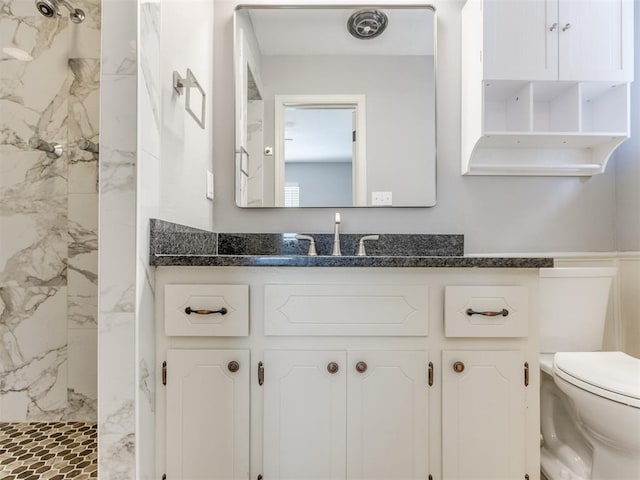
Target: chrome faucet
[
  {"x": 361, "y": 251},
  {"x": 312, "y": 244},
  {"x": 336, "y": 237}
]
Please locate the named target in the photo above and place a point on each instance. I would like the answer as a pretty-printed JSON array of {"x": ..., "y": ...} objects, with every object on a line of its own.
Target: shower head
[
  {"x": 50, "y": 8},
  {"x": 367, "y": 23}
]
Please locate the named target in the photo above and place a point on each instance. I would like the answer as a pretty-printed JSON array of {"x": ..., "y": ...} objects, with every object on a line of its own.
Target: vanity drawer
[
  {"x": 334, "y": 310},
  {"x": 486, "y": 311},
  {"x": 206, "y": 310}
]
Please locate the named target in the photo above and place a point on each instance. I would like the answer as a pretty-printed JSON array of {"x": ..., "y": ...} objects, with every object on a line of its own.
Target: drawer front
[
  {"x": 334, "y": 310},
  {"x": 188, "y": 310},
  {"x": 478, "y": 311}
]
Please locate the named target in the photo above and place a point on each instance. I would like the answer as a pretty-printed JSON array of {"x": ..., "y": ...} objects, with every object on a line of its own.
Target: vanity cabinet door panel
[
  {"x": 207, "y": 422},
  {"x": 304, "y": 415},
  {"x": 387, "y": 409},
  {"x": 518, "y": 41},
  {"x": 596, "y": 40},
  {"x": 346, "y": 309},
  {"x": 483, "y": 415}
]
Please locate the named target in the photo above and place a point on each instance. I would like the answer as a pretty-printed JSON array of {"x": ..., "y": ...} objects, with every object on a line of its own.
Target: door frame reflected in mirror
[{"x": 358, "y": 160}]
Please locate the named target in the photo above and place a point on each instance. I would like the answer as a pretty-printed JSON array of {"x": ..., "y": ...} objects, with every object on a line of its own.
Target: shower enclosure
[{"x": 49, "y": 114}]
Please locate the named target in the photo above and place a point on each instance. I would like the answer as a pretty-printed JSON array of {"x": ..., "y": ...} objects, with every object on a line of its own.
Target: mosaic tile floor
[{"x": 48, "y": 451}]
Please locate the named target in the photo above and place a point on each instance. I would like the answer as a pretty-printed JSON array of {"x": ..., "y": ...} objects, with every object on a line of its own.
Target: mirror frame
[{"x": 238, "y": 152}]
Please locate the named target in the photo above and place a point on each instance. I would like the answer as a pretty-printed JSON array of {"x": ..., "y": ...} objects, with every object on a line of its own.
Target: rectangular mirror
[{"x": 335, "y": 106}]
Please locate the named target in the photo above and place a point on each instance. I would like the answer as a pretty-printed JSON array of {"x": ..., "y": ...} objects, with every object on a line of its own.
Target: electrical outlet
[
  {"x": 209, "y": 184},
  {"x": 381, "y": 199}
]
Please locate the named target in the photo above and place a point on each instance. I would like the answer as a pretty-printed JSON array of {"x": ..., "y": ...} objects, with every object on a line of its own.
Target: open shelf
[
  {"x": 507, "y": 106},
  {"x": 545, "y": 127},
  {"x": 556, "y": 107}
]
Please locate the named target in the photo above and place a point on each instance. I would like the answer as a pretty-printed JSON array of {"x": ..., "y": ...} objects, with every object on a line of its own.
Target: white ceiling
[{"x": 313, "y": 31}]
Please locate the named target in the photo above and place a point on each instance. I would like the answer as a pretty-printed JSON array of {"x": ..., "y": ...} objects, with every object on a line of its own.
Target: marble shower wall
[
  {"x": 49, "y": 86},
  {"x": 117, "y": 255}
]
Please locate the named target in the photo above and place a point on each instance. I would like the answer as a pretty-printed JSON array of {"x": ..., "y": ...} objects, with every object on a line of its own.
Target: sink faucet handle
[
  {"x": 312, "y": 244},
  {"x": 361, "y": 251}
]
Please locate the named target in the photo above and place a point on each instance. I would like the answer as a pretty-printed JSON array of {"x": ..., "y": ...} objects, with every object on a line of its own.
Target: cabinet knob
[
  {"x": 458, "y": 367},
  {"x": 566, "y": 27},
  {"x": 361, "y": 367},
  {"x": 333, "y": 367},
  {"x": 553, "y": 27},
  {"x": 233, "y": 366}
]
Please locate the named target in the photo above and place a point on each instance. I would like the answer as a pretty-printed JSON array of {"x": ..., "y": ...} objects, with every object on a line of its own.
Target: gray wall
[
  {"x": 321, "y": 183},
  {"x": 399, "y": 128},
  {"x": 497, "y": 214},
  {"x": 626, "y": 162}
]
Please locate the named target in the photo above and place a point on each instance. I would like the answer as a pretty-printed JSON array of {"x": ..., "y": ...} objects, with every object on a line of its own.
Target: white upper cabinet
[
  {"x": 518, "y": 45},
  {"x": 545, "y": 85},
  {"x": 595, "y": 39},
  {"x": 573, "y": 40}
]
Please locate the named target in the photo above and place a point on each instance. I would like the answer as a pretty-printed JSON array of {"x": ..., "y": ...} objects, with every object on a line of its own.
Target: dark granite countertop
[{"x": 177, "y": 245}]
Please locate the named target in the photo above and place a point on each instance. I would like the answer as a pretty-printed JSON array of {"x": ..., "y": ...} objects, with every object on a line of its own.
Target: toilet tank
[{"x": 573, "y": 308}]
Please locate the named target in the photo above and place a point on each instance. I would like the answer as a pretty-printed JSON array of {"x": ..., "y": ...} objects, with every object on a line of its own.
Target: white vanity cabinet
[
  {"x": 207, "y": 414},
  {"x": 363, "y": 413},
  {"x": 358, "y": 403},
  {"x": 545, "y": 85},
  {"x": 483, "y": 415}
]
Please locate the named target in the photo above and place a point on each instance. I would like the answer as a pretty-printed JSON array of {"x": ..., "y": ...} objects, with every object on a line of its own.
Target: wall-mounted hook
[{"x": 53, "y": 150}]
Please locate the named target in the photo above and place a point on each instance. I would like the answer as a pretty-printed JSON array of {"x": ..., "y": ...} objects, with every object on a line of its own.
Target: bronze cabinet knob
[
  {"x": 233, "y": 366},
  {"x": 458, "y": 367},
  {"x": 333, "y": 367},
  {"x": 361, "y": 367}
]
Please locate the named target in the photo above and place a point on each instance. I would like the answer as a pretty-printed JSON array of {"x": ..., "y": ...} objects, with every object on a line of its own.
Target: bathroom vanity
[{"x": 281, "y": 367}]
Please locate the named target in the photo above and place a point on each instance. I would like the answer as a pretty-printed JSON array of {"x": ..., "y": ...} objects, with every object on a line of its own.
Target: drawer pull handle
[
  {"x": 189, "y": 311},
  {"x": 502, "y": 313}
]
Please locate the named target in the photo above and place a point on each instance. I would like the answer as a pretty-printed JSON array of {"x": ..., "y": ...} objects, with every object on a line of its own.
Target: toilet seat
[{"x": 612, "y": 375}]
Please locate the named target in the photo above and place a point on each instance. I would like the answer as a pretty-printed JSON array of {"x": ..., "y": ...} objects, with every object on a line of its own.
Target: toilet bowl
[{"x": 589, "y": 400}]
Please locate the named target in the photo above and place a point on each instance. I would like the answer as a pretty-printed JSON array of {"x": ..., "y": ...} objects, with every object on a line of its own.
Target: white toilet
[{"x": 589, "y": 400}]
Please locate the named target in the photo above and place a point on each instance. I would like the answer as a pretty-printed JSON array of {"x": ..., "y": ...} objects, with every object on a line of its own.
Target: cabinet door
[
  {"x": 387, "y": 409},
  {"x": 519, "y": 43},
  {"x": 483, "y": 415},
  {"x": 596, "y": 40},
  {"x": 304, "y": 415},
  {"x": 207, "y": 415}
]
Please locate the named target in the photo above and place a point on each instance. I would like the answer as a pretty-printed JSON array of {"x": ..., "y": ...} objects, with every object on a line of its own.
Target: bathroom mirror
[{"x": 335, "y": 106}]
